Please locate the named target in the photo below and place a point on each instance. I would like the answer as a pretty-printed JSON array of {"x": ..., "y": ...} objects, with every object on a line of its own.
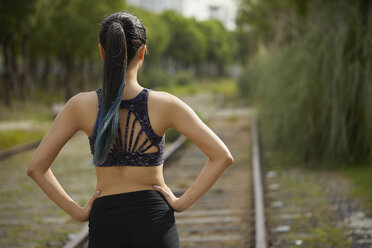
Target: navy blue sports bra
[{"x": 131, "y": 147}]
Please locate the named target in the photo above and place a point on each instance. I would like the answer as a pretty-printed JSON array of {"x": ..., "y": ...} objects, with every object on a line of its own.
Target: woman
[{"x": 125, "y": 124}]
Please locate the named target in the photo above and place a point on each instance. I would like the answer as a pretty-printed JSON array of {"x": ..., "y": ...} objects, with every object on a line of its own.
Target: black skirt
[{"x": 134, "y": 219}]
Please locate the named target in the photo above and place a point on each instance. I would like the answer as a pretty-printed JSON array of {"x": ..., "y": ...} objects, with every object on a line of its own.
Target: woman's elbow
[
  {"x": 229, "y": 159},
  {"x": 30, "y": 172},
  {"x": 223, "y": 159},
  {"x": 226, "y": 159}
]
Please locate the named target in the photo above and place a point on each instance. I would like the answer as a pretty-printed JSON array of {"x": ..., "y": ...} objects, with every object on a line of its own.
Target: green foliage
[
  {"x": 171, "y": 135},
  {"x": 16, "y": 18},
  {"x": 54, "y": 46},
  {"x": 361, "y": 177},
  {"x": 270, "y": 23},
  {"x": 155, "y": 76},
  {"x": 328, "y": 234},
  {"x": 187, "y": 43},
  {"x": 265, "y": 16},
  {"x": 221, "y": 46},
  {"x": 75, "y": 24},
  {"x": 157, "y": 32},
  {"x": 225, "y": 86},
  {"x": 44, "y": 35},
  {"x": 184, "y": 78},
  {"x": 12, "y": 138},
  {"x": 314, "y": 94}
]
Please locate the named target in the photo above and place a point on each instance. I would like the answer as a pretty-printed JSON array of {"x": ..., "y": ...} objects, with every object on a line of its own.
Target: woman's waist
[
  {"x": 117, "y": 185},
  {"x": 130, "y": 203},
  {"x": 114, "y": 180},
  {"x": 120, "y": 197},
  {"x": 112, "y": 188}
]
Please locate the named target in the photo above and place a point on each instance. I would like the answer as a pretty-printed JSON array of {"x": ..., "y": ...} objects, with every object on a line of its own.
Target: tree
[
  {"x": 74, "y": 34},
  {"x": 15, "y": 23},
  {"x": 158, "y": 36},
  {"x": 187, "y": 44},
  {"x": 221, "y": 45}
]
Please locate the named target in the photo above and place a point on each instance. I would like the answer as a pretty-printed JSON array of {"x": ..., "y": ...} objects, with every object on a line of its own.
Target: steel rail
[{"x": 259, "y": 207}]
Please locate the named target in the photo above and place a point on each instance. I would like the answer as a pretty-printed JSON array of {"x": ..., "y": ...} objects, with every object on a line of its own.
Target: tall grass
[
  {"x": 315, "y": 95},
  {"x": 11, "y": 138}
]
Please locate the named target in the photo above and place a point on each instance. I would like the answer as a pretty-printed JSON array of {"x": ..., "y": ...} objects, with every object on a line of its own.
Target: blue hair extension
[{"x": 107, "y": 129}]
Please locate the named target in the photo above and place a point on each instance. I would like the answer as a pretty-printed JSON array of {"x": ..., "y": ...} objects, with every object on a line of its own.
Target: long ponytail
[{"x": 113, "y": 87}]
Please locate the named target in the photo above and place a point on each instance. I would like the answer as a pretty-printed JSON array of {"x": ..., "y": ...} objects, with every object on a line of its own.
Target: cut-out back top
[{"x": 136, "y": 144}]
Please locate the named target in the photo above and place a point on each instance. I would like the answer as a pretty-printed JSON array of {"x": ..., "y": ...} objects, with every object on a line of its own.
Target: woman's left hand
[
  {"x": 85, "y": 211},
  {"x": 173, "y": 201}
]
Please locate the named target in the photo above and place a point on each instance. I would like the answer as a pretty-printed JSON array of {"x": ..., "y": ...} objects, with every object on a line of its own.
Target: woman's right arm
[
  {"x": 183, "y": 119},
  {"x": 65, "y": 125}
]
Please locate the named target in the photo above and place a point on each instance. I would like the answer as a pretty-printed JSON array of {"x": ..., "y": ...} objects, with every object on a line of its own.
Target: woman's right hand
[
  {"x": 84, "y": 212},
  {"x": 174, "y": 201}
]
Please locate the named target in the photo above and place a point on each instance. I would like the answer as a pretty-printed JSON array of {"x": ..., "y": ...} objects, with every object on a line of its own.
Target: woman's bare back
[{"x": 121, "y": 179}]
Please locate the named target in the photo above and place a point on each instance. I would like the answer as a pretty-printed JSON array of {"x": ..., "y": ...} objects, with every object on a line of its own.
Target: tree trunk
[
  {"x": 69, "y": 66},
  {"x": 91, "y": 74},
  {"x": 26, "y": 82},
  {"x": 10, "y": 76},
  {"x": 34, "y": 69},
  {"x": 82, "y": 74},
  {"x": 365, "y": 7},
  {"x": 14, "y": 69},
  {"x": 5, "y": 80},
  {"x": 45, "y": 74}
]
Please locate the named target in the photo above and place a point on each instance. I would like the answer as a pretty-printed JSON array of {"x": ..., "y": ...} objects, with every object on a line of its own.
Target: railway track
[{"x": 225, "y": 215}]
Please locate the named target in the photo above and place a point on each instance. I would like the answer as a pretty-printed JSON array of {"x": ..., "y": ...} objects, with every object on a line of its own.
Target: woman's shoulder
[
  {"x": 84, "y": 97},
  {"x": 84, "y": 107},
  {"x": 166, "y": 99},
  {"x": 163, "y": 107},
  {"x": 83, "y": 103}
]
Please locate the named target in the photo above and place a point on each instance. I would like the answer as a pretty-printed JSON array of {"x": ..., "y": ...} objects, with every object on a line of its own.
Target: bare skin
[{"x": 165, "y": 111}]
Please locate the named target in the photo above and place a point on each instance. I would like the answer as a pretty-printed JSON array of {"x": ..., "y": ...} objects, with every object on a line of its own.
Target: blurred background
[{"x": 304, "y": 66}]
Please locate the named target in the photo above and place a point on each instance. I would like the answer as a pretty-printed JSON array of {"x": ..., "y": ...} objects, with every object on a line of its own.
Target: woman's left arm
[{"x": 65, "y": 125}]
